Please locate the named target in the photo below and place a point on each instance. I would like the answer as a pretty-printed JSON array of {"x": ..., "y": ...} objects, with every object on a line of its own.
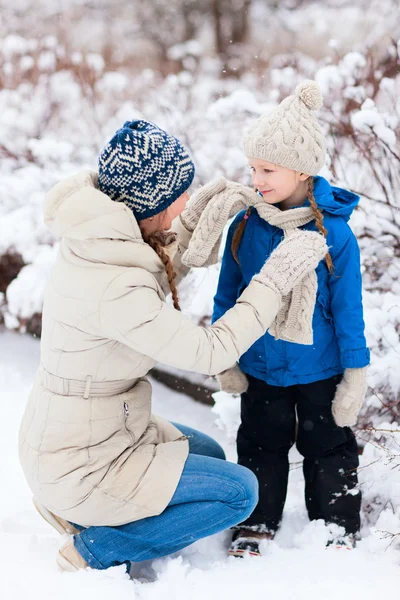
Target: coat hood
[
  {"x": 96, "y": 228},
  {"x": 334, "y": 200},
  {"x": 75, "y": 208}
]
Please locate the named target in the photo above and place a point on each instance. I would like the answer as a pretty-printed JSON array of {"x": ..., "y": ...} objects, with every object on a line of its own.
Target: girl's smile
[{"x": 290, "y": 187}]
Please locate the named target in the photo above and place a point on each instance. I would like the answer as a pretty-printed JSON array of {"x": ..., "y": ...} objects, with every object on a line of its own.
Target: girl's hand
[
  {"x": 349, "y": 397},
  {"x": 233, "y": 380}
]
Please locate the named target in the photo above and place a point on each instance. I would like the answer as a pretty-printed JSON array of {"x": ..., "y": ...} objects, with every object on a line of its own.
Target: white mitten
[
  {"x": 198, "y": 202},
  {"x": 233, "y": 380},
  {"x": 204, "y": 244},
  {"x": 349, "y": 397},
  {"x": 297, "y": 255}
]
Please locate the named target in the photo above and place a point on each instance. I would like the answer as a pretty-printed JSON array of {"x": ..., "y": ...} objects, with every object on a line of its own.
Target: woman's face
[
  {"x": 275, "y": 183},
  {"x": 174, "y": 210},
  {"x": 163, "y": 221}
]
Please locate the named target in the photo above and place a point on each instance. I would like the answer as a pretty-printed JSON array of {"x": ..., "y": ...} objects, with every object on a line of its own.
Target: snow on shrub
[{"x": 57, "y": 109}]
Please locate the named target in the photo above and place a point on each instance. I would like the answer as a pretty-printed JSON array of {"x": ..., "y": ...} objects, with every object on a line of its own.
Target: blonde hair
[
  {"x": 237, "y": 236},
  {"x": 155, "y": 243},
  {"x": 319, "y": 221}
]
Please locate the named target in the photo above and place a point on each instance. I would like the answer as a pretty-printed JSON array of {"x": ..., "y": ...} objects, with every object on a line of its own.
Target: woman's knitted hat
[
  {"x": 290, "y": 135},
  {"x": 145, "y": 168}
]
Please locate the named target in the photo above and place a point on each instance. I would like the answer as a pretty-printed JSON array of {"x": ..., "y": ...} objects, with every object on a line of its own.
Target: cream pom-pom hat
[{"x": 290, "y": 135}]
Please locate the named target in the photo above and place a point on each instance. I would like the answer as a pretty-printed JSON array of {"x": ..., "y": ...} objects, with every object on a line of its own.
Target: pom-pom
[{"x": 309, "y": 92}]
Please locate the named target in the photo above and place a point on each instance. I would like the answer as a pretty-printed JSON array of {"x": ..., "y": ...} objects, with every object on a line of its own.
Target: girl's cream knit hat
[{"x": 290, "y": 135}]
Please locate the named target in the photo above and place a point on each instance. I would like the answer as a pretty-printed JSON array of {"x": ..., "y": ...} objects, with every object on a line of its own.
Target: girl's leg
[
  {"x": 265, "y": 436},
  {"x": 330, "y": 457},
  {"x": 200, "y": 443},
  {"x": 212, "y": 495}
]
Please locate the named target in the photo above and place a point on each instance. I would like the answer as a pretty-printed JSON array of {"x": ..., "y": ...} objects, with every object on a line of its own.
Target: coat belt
[{"x": 84, "y": 389}]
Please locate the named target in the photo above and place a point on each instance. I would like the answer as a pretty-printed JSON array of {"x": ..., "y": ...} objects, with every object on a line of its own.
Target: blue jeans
[{"x": 212, "y": 495}]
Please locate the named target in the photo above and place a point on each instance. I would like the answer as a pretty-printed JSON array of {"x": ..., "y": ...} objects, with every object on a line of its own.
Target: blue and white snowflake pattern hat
[{"x": 144, "y": 167}]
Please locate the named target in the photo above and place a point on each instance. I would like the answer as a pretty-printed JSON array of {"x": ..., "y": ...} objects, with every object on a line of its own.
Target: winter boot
[
  {"x": 247, "y": 542},
  {"x": 69, "y": 559},
  {"x": 344, "y": 542},
  {"x": 57, "y": 522}
]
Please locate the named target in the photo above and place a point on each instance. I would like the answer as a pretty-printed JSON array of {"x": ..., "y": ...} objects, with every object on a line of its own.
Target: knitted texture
[
  {"x": 233, "y": 380},
  {"x": 295, "y": 257},
  {"x": 198, "y": 202},
  {"x": 349, "y": 397},
  {"x": 290, "y": 135},
  {"x": 293, "y": 322},
  {"x": 228, "y": 200},
  {"x": 145, "y": 168}
]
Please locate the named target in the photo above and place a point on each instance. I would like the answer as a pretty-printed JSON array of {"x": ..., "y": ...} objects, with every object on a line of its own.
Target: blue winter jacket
[{"x": 338, "y": 325}]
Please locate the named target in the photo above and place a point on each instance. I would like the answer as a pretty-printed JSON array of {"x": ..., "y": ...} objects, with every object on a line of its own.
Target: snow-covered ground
[{"x": 295, "y": 567}]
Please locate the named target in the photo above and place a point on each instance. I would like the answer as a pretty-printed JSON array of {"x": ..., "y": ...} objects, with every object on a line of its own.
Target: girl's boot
[{"x": 247, "y": 542}]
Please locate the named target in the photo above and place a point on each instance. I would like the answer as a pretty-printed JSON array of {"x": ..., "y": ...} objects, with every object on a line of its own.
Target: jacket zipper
[{"x": 126, "y": 415}]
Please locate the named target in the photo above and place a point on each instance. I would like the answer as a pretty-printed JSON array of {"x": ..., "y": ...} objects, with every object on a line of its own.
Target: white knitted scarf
[{"x": 293, "y": 322}]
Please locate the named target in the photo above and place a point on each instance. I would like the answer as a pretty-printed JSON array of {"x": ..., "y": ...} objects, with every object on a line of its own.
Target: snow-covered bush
[{"x": 57, "y": 113}]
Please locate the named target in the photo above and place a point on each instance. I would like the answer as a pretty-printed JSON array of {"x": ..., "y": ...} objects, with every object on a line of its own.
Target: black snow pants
[{"x": 265, "y": 436}]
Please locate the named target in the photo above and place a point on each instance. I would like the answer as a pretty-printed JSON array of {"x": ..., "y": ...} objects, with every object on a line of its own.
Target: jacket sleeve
[
  {"x": 135, "y": 315},
  {"x": 346, "y": 303},
  {"x": 230, "y": 278}
]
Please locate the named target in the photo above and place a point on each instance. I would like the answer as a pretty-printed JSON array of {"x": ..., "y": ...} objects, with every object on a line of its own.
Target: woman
[{"x": 93, "y": 454}]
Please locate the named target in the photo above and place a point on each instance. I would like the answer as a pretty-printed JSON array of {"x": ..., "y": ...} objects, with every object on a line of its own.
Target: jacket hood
[
  {"x": 76, "y": 209},
  {"x": 96, "y": 228},
  {"x": 334, "y": 200}
]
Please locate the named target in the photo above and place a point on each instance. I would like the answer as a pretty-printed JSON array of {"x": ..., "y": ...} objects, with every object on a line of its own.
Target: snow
[
  {"x": 14, "y": 44},
  {"x": 369, "y": 118},
  {"x": 64, "y": 93},
  {"x": 191, "y": 47},
  {"x": 296, "y": 566},
  {"x": 25, "y": 294}
]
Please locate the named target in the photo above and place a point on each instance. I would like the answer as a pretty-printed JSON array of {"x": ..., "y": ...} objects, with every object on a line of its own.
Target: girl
[
  {"x": 315, "y": 369},
  {"x": 130, "y": 485}
]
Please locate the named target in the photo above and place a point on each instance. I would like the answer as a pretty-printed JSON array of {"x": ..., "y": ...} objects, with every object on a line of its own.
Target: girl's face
[
  {"x": 163, "y": 221},
  {"x": 276, "y": 183}
]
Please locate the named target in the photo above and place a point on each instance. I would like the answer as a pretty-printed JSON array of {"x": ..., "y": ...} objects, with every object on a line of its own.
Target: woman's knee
[
  {"x": 207, "y": 446},
  {"x": 244, "y": 489},
  {"x": 216, "y": 451}
]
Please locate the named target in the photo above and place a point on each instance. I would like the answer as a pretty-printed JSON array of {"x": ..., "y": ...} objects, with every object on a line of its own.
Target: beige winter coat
[{"x": 91, "y": 450}]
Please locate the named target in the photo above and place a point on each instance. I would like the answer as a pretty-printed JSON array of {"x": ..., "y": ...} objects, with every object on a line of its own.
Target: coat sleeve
[
  {"x": 346, "y": 303},
  {"x": 230, "y": 278},
  {"x": 134, "y": 315}
]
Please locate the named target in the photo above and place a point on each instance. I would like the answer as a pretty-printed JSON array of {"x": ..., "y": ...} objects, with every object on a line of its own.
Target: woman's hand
[
  {"x": 199, "y": 200},
  {"x": 349, "y": 397},
  {"x": 215, "y": 212},
  {"x": 296, "y": 256}
]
